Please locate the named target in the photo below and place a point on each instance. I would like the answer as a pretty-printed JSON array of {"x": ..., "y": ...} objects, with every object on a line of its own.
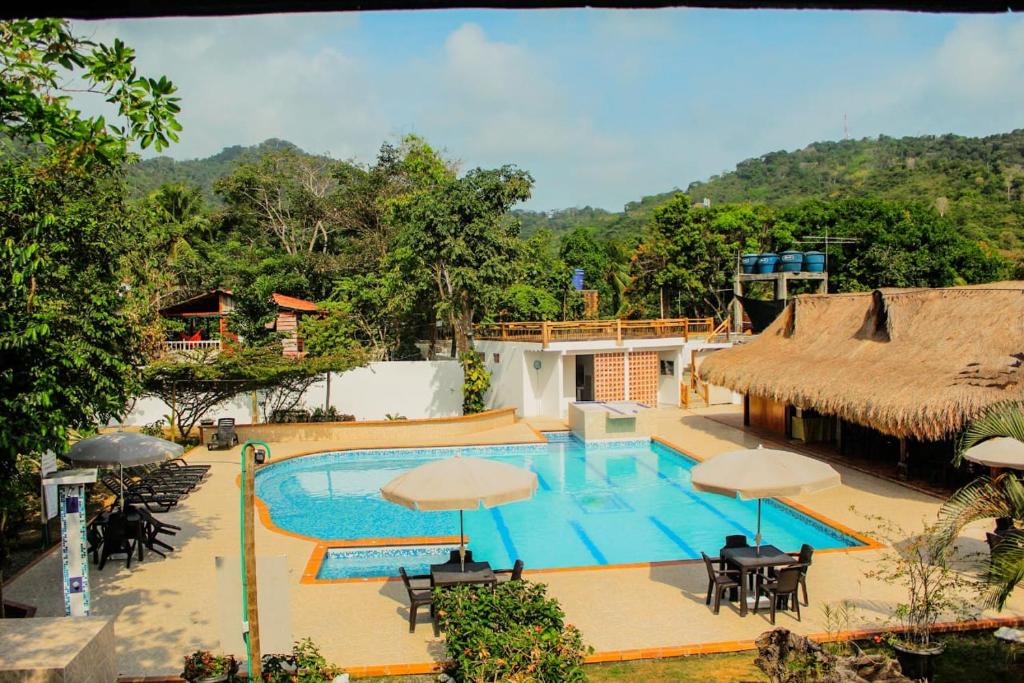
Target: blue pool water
[{"x": 610, "y": 503}]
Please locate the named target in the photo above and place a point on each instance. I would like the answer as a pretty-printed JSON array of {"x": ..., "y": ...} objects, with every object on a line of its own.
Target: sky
[{"x": 601, "y": 106}]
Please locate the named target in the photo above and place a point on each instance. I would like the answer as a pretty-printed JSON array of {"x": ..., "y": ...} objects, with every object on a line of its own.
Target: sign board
[
  {"x": 48, "y": 497},
  {"x": 272, "y": 589}
]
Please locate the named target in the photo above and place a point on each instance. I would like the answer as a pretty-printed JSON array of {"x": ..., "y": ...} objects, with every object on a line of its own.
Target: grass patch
[{"x": 725, "y": 668}]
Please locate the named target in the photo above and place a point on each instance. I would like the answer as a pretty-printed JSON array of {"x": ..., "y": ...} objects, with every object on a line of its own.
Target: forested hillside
[{"x": 978, "y": 183}]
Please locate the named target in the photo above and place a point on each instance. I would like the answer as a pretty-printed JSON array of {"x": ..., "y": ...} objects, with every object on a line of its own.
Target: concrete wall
[
  {"x": 414, "y": 389},
  {"x": 508, "y": 373}
]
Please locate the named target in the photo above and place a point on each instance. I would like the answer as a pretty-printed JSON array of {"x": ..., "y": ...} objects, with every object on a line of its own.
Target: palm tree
[{"x": 988, "y": 497}]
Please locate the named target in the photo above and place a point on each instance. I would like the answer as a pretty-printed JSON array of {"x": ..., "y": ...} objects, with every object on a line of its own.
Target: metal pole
[
  {"x": 757, "y": 540},
  {"x": 462, "y": 544}
]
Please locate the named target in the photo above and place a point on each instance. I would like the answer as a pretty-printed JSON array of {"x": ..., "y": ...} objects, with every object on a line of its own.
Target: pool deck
[{"x": 166, "y": 608}]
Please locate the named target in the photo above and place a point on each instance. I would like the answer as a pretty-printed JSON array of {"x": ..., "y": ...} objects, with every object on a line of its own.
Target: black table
[
  {"x": 750, "y": 560},
  {"x": 454, "y": 574}
]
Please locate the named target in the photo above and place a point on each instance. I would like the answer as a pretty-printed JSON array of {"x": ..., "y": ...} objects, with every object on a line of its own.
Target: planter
[{"x": 918, "y": 664}]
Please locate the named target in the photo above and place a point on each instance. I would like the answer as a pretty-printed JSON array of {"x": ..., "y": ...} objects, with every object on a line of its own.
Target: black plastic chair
[
  {"x": 453, "y": 557},
  {"x": 804, "y": 558},
  {"x": 719, "y": 581},
  {"x": 734, "y": 541},
  {"x": 120, "y": 536},
  {"x": 225, "y": 436},
  {"x": 514, "y": 574},
  {"x": 419, "y": 596},
  {"x": 783, "y": 587}
]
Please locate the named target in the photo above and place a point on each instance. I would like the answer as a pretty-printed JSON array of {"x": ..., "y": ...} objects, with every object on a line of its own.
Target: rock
[{"x": 790, "y": 658}]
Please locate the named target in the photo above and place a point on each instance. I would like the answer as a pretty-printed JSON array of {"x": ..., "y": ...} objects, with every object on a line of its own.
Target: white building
[{"x": 540, "y": 368}]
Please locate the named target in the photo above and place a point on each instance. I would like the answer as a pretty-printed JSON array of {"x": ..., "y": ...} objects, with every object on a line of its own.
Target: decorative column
[{"x": 74, "y": 546}]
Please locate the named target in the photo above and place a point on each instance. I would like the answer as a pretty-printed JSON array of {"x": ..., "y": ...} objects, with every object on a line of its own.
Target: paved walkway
[{"x": 166, "y": 608}]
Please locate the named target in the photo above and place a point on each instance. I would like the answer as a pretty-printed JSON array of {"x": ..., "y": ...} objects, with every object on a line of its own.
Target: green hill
[
  {"x": 149, "y": 174},
  {"x": 977, "y": 182}
]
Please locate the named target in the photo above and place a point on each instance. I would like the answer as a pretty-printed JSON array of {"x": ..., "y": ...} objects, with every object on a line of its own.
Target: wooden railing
[
  {"x": 585, "y": 330},
  {"x": 204, "y": 344}
]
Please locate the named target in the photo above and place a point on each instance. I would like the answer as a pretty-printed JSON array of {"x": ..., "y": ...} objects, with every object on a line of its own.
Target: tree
[
  {"x": 68, "y": 342},
  {"x": 289, "y": 195},
  {"x": 197, "y": 383},
  {"x": 457, "y": 235},
  {"x": 985, "y": 498},
  {"x": 253, "y": 314}
]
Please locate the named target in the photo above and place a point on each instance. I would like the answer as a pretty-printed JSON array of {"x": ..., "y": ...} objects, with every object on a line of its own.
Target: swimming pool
[{"x": 597, "y": 504}]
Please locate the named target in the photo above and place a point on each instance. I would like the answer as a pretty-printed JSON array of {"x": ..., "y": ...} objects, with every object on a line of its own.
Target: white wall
[
  {"x": 668, "y": 386},
  {"x": 543, "y": 386},
  {"x": 414, "y": 389},
  {"x": 508, "y": 373}
]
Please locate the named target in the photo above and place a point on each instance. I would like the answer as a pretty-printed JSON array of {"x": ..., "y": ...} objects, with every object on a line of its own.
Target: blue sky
[{"x": 602, "y": 107}]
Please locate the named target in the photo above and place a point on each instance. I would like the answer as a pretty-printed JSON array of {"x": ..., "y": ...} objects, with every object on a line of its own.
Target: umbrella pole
[
  {"x": 120, "y": 468},
  {"x": 757, "y": 539},
  {"x": 462, "y": 544}
]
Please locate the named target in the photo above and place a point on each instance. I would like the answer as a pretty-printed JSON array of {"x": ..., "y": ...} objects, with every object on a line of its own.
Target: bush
[
  {"x": 304, "y": 664},
  {"x": 511, "y": 633},
  {"x": 476, "y": 382},
  {"x": 204, "y": 664}
]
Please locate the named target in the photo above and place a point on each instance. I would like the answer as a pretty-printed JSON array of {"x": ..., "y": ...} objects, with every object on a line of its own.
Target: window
[{"x": 668, "y": 368}]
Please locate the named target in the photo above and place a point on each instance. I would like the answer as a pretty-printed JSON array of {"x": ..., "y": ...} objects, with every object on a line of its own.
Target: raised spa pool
[{"x": 603, "y": 504}]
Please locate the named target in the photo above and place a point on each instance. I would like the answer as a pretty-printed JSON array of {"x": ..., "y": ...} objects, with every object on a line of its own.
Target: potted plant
[
  {"x": 202, "y": 666},
  {"x": 934, "y": 590}
]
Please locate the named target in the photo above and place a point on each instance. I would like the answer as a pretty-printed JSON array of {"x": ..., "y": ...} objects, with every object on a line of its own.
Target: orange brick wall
[
  {"x": 609, "y": 376},
  {"x": 643, "y": 377}
]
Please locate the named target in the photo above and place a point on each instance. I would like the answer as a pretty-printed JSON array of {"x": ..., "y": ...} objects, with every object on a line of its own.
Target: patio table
[
  {"x": 749, "y": 560},
  {"x": 452, "y": 574}
]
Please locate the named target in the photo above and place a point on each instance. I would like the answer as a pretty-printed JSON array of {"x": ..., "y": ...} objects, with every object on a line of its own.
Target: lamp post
[{"x": 253, "y": 453}]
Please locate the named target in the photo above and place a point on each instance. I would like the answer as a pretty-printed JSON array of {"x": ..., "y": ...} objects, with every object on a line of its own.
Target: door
[{"x": 585, "y": 378}]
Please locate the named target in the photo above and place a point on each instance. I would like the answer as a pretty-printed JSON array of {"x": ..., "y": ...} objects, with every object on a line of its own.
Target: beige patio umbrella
[
  {"x": 460, "y": 483},
  {"x": 762, "y": 473},
  {"x": 1002, "y": 451}
]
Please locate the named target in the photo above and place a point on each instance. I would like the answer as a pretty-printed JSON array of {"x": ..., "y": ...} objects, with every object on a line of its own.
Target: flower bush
[
  {"x": 304, "y": 664},
  {"x": 203, "y": 664},
  {"x": 513, "y": 632}
]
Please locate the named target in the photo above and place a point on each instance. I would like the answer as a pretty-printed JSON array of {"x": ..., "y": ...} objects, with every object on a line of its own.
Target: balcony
[
  {"x": 586, "y": 330},
  {"x": 180, "y": 346}
]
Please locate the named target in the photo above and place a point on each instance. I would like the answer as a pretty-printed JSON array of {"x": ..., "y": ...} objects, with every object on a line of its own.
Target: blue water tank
[
  {"x": 766, "y": 263},
  {"x": 814, "y": 262},
  {"x": 749, "y": 262},
  {"x": 792, "y": 261},
  {"x": 577, "y": 279}
]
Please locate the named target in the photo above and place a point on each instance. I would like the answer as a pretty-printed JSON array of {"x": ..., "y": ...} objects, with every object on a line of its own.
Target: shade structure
[
  {"x": 1002, "y": 451},
  {"x": 762, "y": 473},
  {"x": 460, "y": 483},
  {"x": 122, "y": 449}
]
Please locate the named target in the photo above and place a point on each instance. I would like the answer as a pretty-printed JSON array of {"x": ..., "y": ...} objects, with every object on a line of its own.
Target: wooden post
[
  {"x": 255, "y": 411},
  {"x": 618, "y": 331},
  {"x": 737, "y": 308},
  {"x": 174, "y": 409},
  {"x": 252, "y": 615},
  {"x": 903, "y": 468},
  {"x": 545, "y": 334},
  {"x": 781, "y": 286}
]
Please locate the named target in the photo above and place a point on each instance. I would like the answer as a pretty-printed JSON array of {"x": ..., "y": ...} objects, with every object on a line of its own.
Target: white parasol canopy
[
  {"x": 1002, "y": 451},
  {"x": 460, "y": 483},
  {"x": 123, "y": 449},
  {"x": 762, "y": 473}
]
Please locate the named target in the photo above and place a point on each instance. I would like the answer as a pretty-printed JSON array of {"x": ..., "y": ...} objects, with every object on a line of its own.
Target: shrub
[
  {"x": 154, "y": 428},
  {"x": 511, "y": 633},
  {"x": 476, "y": 381},
  {"x": 304, "y": 664},
  {"x": 203, "y": 664}
]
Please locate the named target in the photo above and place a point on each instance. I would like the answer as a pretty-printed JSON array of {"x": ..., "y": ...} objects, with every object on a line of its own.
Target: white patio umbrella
[
  {"x": 460, "y": 483},
  {"x": 123, "y": 449},
  {"x": 1002, "y": 451},
  {"x": 762, "y": 473}
]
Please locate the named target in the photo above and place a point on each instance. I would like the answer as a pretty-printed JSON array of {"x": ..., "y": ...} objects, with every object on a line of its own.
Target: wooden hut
[{"x": 910, "y": 365}]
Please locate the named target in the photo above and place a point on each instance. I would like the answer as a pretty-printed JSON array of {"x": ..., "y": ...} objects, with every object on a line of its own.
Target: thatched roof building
[{"x": 915, "y": 363}]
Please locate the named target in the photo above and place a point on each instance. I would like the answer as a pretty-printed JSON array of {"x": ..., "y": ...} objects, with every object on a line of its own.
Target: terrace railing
[
  {"x": 586, "y": 330},
  {"x": 179, "y": 346}
]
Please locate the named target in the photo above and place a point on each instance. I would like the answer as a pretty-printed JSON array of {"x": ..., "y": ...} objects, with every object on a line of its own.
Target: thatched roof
[{"x": 907, "y": 362}]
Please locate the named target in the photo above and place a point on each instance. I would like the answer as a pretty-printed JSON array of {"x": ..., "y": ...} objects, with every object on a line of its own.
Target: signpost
[{"x": 253, "y": 453}]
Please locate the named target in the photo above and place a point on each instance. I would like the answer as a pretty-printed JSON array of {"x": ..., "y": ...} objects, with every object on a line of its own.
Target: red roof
[{"x": 294, "y": 304}]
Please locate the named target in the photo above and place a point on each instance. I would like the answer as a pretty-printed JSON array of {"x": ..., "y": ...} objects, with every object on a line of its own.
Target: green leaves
[
  {"x": 513, "y": 632},
  {"x": 476, "y": 381}
]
